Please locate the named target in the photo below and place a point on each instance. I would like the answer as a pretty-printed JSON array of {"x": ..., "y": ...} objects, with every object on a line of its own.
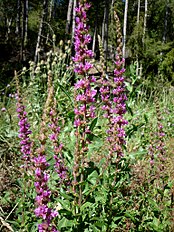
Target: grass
[{"x": 145, "y": 203}]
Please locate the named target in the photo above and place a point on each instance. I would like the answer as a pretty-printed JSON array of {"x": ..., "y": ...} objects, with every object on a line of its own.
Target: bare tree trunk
[
  {"x": 105, "y": 28},
  {"x": 26, "y": 22},
  {"x": 69, "y": 16},
  {"x": 49, "y": 18},
  {"x": 8, "y": 23},
  {"x": 125, "y": 28},
  {"x": 44, "y": 11},
  {"x": 138, "y": 12},
  {"x": 165, "y": 21},
  {"x": 112, "y": 26},
  {"x": 24, "y": 30},
  {"x": 94, "y": 37},
  {"x": 18, "y": 17},
  {"x": 138, "y": 20},
  {"x": 95, "y": 30},
  {"x": 165, "y": 26},
  {"x": 73, "y": 22},
  {"x": 144, "y": 33},
  {"x": 145, "y": 22}
]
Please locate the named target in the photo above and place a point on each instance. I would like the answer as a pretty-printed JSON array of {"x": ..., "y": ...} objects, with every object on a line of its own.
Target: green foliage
[
  {"x": 126, "y": 196},
  {"x": 135, "y": 41},
  {"x": 166, "y": 67}
]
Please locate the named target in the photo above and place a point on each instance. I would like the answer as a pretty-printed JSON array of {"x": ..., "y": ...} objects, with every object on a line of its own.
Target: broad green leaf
[
  {"x": 64, "y": 222},
  {"x": 66, "y": 196},
  {"x": 93, "y": 123},
  {"x": 86, "y": 205},
  {"x": 93, "y": 177},
  {"x": 65, "y": 204}
]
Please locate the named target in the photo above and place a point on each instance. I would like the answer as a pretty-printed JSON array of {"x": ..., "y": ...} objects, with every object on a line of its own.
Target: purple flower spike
[
  {"x": 113, "y": 97},
  {"x": 60, "y": 167},
  {"x": 86, "y": 94},
  {"x": 43, "y": 192},
  {"x": 24, "y": 133}
]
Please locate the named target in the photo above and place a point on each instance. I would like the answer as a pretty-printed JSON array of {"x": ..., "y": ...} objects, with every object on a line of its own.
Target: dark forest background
[{"x": 30, "y": 28}]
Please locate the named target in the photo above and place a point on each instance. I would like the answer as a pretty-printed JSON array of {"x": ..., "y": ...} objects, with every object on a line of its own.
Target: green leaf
[
  {"x": 138, "y": 155},
  {"x": 66, "y": 93},
  {"x": 156, "y": 222},
  {"x": 116, "y": 219},
  {"x": 71, "y": 115},
  {"x": 66, "y": 196},
  {"x": 64, "y": 222},
  {"x": 87, "y": 189},
  {"x": 64, "y": 204},
  {"x": 129, "y": 215},
  {"x": 146, "y": 118},
  {"x": 93, "y": 123},
  {"x": 93, "y": 177},
  {"x": 94, "y": 228},
  {"x": 86, "y": 205}
]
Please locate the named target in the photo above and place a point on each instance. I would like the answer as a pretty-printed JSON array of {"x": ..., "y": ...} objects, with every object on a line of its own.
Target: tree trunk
[
  {"x": 8, "y": 23},
  {"x": 74, "y": 21},
  {"x": 144, "y": 33},
  {"x": 18, "y": 17},
  {"x": 165, "y": 21},
  {"x": 94, "y": 37},
  {"x": 51, "y": 6},
  {"x": 145, "y": 22},
  {"x": 105, "y": 28},
  {"x": 95, "y": 29},
  {"x": 44, "y": 11},
  {"x": 24, "y": 30},
  {"x": 138, "y": 12},
  {"x": 138, "y": 20},
  {"x": 69, "y": 16},
  {"x": 125, "y": 28}
]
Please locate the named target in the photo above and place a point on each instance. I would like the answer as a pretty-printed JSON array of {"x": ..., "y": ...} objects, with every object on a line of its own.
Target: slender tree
[
  {"x": 43, "y": 16},
  {"x": 95, "y": 27},
  {"x": 144, "y": 32},
  {"x": 138, "y": 21},
  {"x": 105, "y": 28},
  {"x": 145, "y": 21},
  {"x": 69, "y": 16},
  {"x": 165, "y": 21},
  {"x": 24, "y": 30},
  {"x": 125, "y": 28},
  {"x": 50, "y": 13},
  {"x": 73, "y": 21},
  {"x": 18, "y": 17},
  {"x": 138, "y": 12}
]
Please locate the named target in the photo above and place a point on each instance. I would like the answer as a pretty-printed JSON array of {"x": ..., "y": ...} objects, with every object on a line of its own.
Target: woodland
[
  {"x": 86, "y": 115},
  {"x": 31, "y": 28}
]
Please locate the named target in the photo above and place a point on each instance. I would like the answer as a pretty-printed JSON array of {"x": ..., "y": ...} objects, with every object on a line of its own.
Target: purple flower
[
  {"x": 42, "y": 199},
  {"x": 24, "y": 133},
  {"x": 77, "y": 122},
  {"x": 85, "y": 93},
  {"x": 60, "y": 167},
  {"x": 3, "y": 109},
  {"x": 113, "y": 97}
]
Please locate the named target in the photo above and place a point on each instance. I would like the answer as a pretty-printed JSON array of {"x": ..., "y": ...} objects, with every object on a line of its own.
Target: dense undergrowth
[{"x": 94, "y": 177}]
